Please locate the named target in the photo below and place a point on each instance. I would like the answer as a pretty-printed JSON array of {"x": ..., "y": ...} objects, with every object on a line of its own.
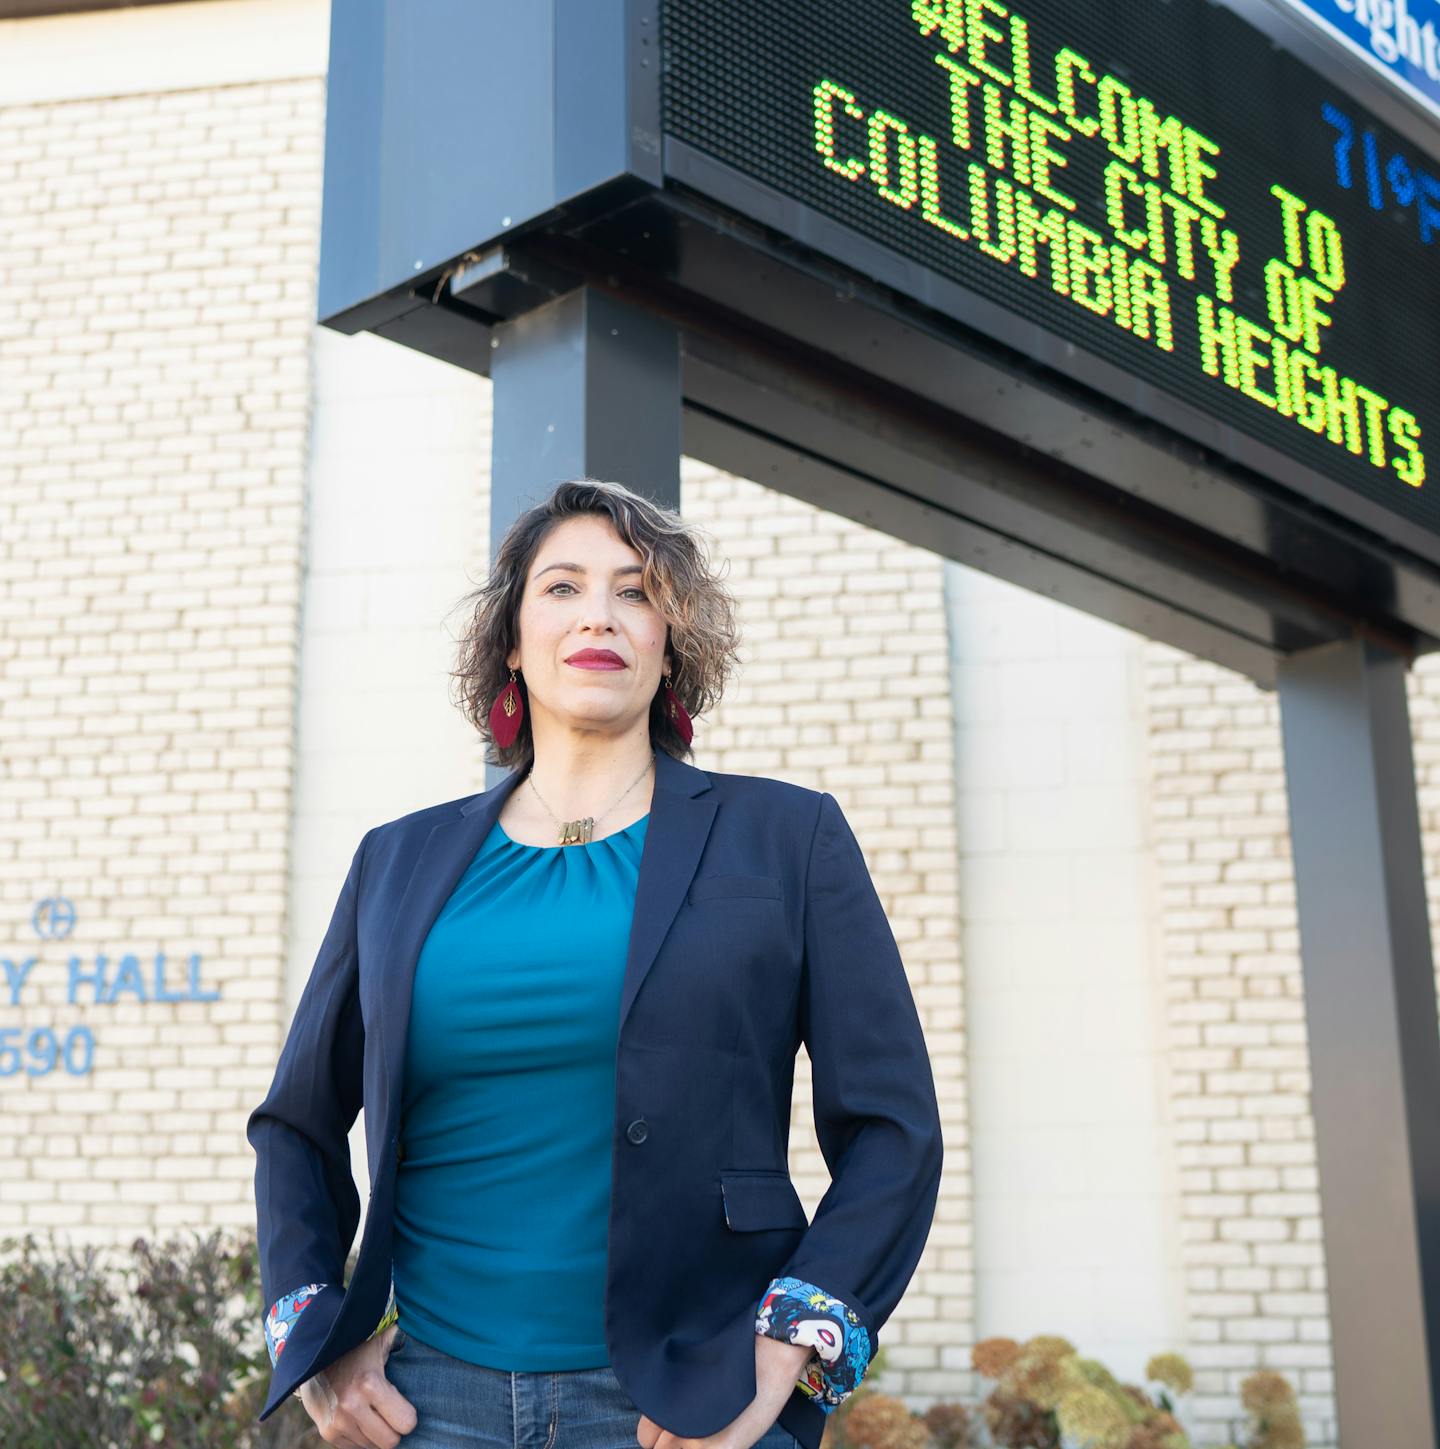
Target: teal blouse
[{"x": 502, "y": 1198}]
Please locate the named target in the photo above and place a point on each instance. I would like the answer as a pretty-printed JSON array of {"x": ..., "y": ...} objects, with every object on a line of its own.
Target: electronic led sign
[{"x": 1153, "y": 182}]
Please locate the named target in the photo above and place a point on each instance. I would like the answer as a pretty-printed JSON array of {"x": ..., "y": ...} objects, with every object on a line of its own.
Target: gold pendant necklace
[{"x": 581, "y": 831}]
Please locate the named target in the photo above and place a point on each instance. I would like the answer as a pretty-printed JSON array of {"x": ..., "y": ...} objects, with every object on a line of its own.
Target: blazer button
[{"x": 637, "y": 1131}]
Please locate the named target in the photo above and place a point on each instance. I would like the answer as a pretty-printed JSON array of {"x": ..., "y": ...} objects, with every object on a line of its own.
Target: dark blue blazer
[{"x": 756, "y": 928}]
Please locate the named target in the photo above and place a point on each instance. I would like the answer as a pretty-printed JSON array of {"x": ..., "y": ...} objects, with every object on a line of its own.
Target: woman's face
[{"x": 583, "y": 593}]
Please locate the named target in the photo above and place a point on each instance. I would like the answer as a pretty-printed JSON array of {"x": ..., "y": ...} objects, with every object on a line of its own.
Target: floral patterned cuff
[
  {"x": 281, "y": 1319},
  {"x": 391, "y": 1314},
  {"x": 798, "y": 1312}
]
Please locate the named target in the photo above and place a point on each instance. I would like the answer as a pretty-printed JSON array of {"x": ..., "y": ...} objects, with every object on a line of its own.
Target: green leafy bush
[{"x": 160, "y": 1345}]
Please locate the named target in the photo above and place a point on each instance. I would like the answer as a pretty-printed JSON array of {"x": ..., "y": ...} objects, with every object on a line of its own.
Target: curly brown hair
[{"x": 699, "y": 611}]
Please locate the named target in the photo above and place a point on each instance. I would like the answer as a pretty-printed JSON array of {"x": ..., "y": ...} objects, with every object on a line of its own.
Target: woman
[{"x": 570, "y": 1007}]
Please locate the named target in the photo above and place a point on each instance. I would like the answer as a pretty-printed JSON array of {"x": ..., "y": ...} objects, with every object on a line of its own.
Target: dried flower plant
[
  {"x": 1045, "y": 1393},
  {"x": 951, "y": 1426}
]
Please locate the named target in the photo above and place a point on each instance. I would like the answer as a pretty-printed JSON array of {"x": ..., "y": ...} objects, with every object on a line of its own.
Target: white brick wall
[{"x": 157, "y": 286}]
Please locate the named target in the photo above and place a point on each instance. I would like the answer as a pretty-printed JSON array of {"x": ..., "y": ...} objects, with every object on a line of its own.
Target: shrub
[
  {"x": 162, "y": 1346},
  {"x": 1046, "y": 1396}
]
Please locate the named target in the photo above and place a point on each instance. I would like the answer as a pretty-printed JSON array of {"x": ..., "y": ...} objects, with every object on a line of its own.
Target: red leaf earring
[
  {"x": 506, "y": 714},
  {"x": 675, "y": 713}
]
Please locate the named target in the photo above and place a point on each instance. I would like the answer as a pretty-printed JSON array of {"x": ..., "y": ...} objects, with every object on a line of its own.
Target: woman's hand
[
  {"x": 777, "y": 1369},
  {"x": 353, "y": 1404}
]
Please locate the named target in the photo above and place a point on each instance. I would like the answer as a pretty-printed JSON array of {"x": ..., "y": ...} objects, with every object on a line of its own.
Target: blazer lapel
[
  {"x": 679, "y": 825},
  {"x": 675, "y": 835}
]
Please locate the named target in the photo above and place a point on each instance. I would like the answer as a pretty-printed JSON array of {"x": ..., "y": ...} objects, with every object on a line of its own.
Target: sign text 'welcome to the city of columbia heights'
[{"x": 1156, "y": 182}]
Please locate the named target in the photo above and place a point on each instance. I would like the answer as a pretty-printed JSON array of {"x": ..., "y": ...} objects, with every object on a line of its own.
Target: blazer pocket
[
  {"x": 755, "y": 1200},
  {"x": 707, "y": 887}
]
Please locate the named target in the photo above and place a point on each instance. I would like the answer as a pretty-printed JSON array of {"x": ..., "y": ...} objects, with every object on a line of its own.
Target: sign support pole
[{"x": 1370, "y": 1010}]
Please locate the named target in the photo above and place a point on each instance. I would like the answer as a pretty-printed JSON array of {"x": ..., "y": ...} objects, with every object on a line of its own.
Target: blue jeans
[{"x": 460, "y": 1405}]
